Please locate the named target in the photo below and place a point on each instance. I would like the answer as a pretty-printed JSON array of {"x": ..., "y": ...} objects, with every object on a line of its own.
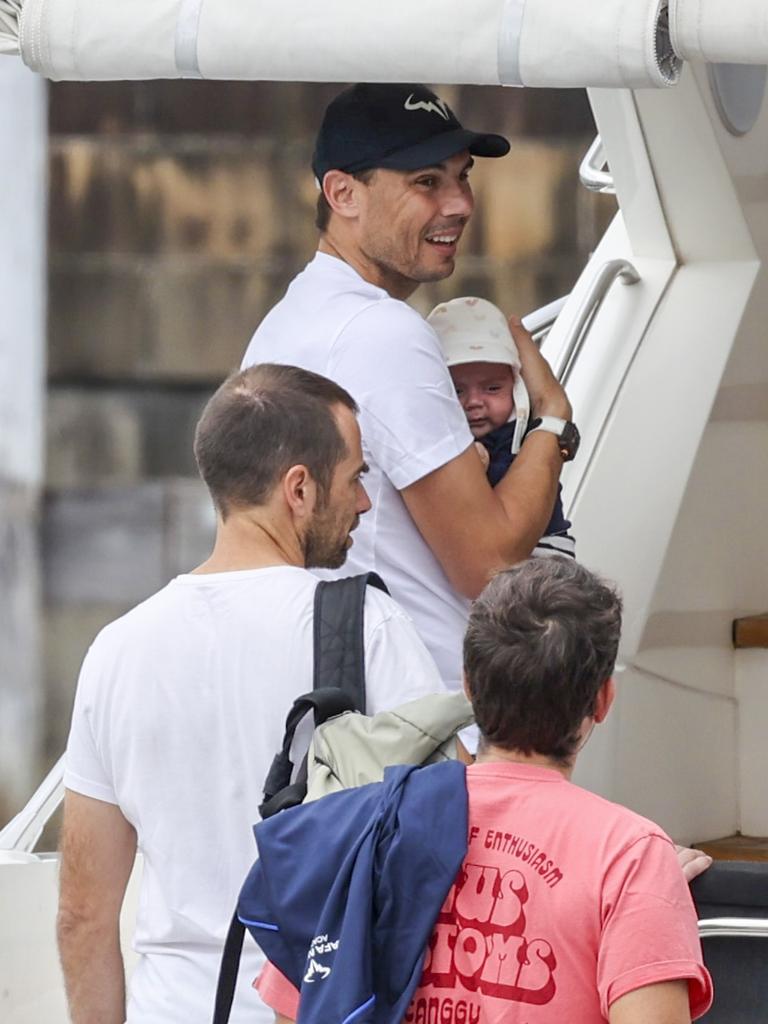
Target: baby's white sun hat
[{"x": 473, "y": 330}]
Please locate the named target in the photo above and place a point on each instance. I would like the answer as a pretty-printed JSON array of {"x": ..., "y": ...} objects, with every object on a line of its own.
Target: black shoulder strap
[
  {"x": 279, "y": 791},
  {"x": 339, "y": 649},
  {"x": 338, "y": 685},
  {"x": 230, "y": 964},
  {"x": 338, "y": 679}
]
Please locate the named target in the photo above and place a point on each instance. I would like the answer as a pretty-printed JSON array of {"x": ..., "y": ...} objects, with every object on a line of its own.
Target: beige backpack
[{"x": 354, "y": 749}]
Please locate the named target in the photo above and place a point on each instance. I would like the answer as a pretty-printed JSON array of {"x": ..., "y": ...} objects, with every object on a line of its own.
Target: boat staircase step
[
  {"x": 750, "y": 631},
  {"x": 736, "y": 847},
  {"x": 732, "y": 904}
]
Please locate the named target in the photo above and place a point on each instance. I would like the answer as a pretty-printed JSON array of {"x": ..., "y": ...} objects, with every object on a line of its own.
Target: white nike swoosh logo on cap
[{"x": 440, "y": 107}]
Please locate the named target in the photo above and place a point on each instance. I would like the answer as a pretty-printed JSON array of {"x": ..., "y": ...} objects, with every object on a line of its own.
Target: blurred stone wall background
[{"x": 178, "y": 213}]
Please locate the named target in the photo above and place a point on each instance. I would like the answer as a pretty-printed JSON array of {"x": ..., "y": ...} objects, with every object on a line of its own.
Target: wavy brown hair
[{"x": 541, "y": 641}]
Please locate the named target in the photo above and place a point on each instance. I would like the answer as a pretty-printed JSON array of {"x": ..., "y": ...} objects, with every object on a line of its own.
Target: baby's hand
[{"x": 482, "y": 451}]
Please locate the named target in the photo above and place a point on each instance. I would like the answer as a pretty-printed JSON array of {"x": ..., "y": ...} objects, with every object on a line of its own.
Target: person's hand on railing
[
  {"x": 547, "y": 395},
  {"x": 692, "y": 862}
]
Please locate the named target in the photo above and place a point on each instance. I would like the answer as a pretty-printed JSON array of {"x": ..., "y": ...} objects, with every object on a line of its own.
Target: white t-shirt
[
  {"x": 387, "y": 356},
  {"x": 180, "y": 708}
]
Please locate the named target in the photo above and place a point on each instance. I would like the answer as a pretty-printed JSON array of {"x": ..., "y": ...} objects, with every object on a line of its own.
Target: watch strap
[{"x": 552, "y": 424}]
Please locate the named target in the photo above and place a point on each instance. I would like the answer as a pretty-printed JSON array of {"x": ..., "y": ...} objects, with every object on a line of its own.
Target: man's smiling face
[{"x": 410, "y": 222}]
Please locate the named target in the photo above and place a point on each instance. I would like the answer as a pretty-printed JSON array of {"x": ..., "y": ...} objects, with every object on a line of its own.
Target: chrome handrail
[
  {"x": 22, "y": 832},
  {"x": 594, "y": 173},
  {"x": 733, "y": 927},
  {"x": 590, "y": 303},
  {"x": 540, "y": 321}
]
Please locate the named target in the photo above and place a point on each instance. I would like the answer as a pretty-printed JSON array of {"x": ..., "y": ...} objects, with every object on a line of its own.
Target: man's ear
[
  {"x": 300, "y": 491},
  {"x": 604, "y": 700},
  {"x": 341, "y": 192}
]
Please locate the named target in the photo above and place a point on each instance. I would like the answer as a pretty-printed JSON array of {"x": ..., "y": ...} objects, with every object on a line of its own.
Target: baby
[{"x": 485, "y": 368}]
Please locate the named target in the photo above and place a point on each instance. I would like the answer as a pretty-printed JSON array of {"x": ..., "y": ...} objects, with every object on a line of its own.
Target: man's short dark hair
[
  {"x": 262, "y": 421},
  {"x": 542, "y": 639}
]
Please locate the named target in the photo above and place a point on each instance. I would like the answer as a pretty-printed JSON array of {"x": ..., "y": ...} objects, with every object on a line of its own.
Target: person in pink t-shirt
[{"x": 568, "y": 909}]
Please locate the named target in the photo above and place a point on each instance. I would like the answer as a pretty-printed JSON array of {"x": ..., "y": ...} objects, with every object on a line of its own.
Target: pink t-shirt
[{"x": 564, "y": 903}]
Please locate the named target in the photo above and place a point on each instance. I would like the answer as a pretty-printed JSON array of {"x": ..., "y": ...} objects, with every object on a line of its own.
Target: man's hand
[
  {"x": 547, "y": 395},
  {"x": 98, "y": 847},
  {"x": 693, "y": 862}
]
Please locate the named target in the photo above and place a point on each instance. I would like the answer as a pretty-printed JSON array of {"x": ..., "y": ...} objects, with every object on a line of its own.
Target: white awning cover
[
  {"x": 622, "y": 43},
  {"x": 551, "y": 43},
  {"x": 732, "y": 32}
]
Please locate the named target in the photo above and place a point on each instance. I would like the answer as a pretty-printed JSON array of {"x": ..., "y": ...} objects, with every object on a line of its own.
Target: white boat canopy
[
  {"x": 546, "y": 43},
  {"x": 720, "y": 31}
]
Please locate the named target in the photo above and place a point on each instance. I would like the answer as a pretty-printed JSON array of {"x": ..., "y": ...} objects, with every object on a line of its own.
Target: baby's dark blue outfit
[{"x": 556, "y": 540}]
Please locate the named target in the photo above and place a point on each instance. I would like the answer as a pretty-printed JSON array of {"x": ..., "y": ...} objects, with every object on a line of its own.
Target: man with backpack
[
  {"x": 181, "y": 703},
  {"x": 496, "y": 892}
]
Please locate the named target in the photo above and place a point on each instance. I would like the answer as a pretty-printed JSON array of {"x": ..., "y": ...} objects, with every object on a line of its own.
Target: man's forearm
[
  {"x": 665, "y": 1002},
  {"x": 528, "y": 491},
  {"x": 94, "y": 975}
]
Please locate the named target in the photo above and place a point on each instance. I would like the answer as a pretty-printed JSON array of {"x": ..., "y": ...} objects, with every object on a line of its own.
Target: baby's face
[{"x": 485, "y": 393}]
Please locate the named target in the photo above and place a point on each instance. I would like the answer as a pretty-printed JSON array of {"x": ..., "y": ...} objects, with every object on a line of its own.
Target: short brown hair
[
  {"x": 541, "y": 641},
  {"x": 262, "y": 421},
  {"x": 323, "y": 210}
]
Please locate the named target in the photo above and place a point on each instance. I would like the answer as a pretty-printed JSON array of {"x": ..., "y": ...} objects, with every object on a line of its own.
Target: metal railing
[
  {"x": 594, "y": 173},
  {"x": 540, "y": 321},
  {"x": 733, "y": 927},
  {"x": 588, "y": 307}
]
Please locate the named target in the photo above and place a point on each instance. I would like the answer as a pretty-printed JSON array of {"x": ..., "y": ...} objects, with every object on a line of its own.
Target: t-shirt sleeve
[
  {"x": 649, "y": 932},
  {"x": 398, "y": 667},
  {"x": 389, "y": 359},
  {"x": 277, "y": 992},
  {"x": 84, "y": 768}
]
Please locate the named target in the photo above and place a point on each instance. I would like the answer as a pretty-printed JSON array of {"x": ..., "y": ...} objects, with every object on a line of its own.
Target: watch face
[{"x": 569, "y": 440}]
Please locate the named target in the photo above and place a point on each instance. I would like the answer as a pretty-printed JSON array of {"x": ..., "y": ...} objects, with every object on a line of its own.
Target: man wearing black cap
[{"x": 392, "y": 163}]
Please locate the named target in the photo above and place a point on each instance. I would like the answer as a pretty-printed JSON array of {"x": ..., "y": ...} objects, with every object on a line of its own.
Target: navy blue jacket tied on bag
[{"x": 346, "y": 891}]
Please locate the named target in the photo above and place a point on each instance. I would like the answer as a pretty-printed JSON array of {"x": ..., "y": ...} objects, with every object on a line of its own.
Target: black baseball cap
[{"x": 402, "y": 127}]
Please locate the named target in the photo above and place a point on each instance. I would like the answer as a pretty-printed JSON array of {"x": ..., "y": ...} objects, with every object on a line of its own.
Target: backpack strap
[
  {"x": 338, "y": 685},
  {"x": 338, "y": 679},
  {"x": 279, "y": 792},
  {"x": 339, "y": 650},
  {"x": 230, "y": 964}
]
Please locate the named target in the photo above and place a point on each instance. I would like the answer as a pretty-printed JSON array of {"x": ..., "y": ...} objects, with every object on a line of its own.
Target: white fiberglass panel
[
  {"x": 31, "y": 983},
  {"x": 668, "y": 753},
  {"x": 751, "y": 677}
]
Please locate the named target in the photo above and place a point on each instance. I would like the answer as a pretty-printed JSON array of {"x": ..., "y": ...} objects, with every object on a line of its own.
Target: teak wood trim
[{"x": 751, "y": 631}]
